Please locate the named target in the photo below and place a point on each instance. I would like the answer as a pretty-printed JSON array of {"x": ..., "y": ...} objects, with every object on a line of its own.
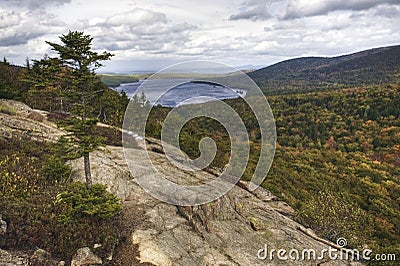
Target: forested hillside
[
  {"x": 371, "y": 67},
  {"x": 337, "y": 159},
  {"x": 113, "y": 81}
]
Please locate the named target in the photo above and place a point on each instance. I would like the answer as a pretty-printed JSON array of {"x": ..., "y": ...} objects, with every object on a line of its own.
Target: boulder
[
  {"x": 42, "y": 258},
  {"x": 34, "y": 115},
  {"x": 5, "y": 257},
  {"x": 84, "y": 256},
  {"x": 3, "y": 226},
  {"x": 8, "y": 258}
]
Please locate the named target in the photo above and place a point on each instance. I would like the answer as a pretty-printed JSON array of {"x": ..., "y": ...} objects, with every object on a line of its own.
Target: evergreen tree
[
  {"x": 47, "y": 79},
  {"x": 9, "y": 80},
  {"x": 76, "y": 53}
]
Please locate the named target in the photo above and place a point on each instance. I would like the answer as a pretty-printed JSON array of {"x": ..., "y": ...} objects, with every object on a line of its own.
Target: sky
[{"x": 148, "y": 35}]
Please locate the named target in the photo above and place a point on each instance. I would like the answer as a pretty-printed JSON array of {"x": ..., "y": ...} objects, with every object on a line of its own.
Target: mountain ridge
[{"x": 369, "y": 67}]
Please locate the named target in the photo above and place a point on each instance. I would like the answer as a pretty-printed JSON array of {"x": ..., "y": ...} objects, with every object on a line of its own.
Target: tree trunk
[{"x": 88, "y": 174}]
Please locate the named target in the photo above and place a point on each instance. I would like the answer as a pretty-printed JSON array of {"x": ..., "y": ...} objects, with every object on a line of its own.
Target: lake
[{"x": 182, "y": 92}]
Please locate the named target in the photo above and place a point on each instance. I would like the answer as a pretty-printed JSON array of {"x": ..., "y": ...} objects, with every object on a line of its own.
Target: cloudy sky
[{"x": 152, "y": 34}]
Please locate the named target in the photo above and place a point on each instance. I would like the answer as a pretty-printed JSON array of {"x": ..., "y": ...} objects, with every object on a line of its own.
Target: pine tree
[
  {"x": 76, "y": 53},
  {"x": 46, "y": 78}
]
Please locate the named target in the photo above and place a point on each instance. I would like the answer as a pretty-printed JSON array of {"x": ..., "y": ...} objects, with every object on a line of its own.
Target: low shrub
[
  {"x": 113, "y": 136},
  {"x": 79, "y": 200},
  {"x": 55, "y": 169},
  {"x": 56, "y": 117},
  {"x": 335, "y": 216},
  {"x": 18, "y": 177},
  {"x": 36, "y": 116},
  {"x": 43, "y": 209},
  {"x": 7, "y": 109}
]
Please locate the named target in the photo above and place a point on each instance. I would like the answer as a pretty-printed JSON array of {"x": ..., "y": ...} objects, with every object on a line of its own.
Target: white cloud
[
  {"x": 389, "y": 11},
  {"x": 8, "y": 18},
  {"x": 158, "y": 32},
  {"x": 136, "y": 17},
  {"x": 253, "y": 10},
  {"x": 266, "y": 47},
  {"x": 305, "y": 8},
  {"x": 33, "y": 4},
  {"x": 20, "y": 30},
  {"x": 142, "y": 30}
]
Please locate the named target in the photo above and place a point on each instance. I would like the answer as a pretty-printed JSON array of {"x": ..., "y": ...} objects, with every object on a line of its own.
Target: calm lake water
[{"x": 182, "y": 92}]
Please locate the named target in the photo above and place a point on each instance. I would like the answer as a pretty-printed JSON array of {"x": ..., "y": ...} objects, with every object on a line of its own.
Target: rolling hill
[{"x": 370, "y": 67}]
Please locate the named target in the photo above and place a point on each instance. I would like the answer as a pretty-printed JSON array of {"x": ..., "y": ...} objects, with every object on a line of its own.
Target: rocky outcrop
[
  {"x": 19, "y": 120},
  {"x": 228, "y": 231}
]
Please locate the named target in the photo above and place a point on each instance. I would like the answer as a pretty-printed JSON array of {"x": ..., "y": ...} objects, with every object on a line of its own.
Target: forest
[{"x": 337, "y": 159}]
